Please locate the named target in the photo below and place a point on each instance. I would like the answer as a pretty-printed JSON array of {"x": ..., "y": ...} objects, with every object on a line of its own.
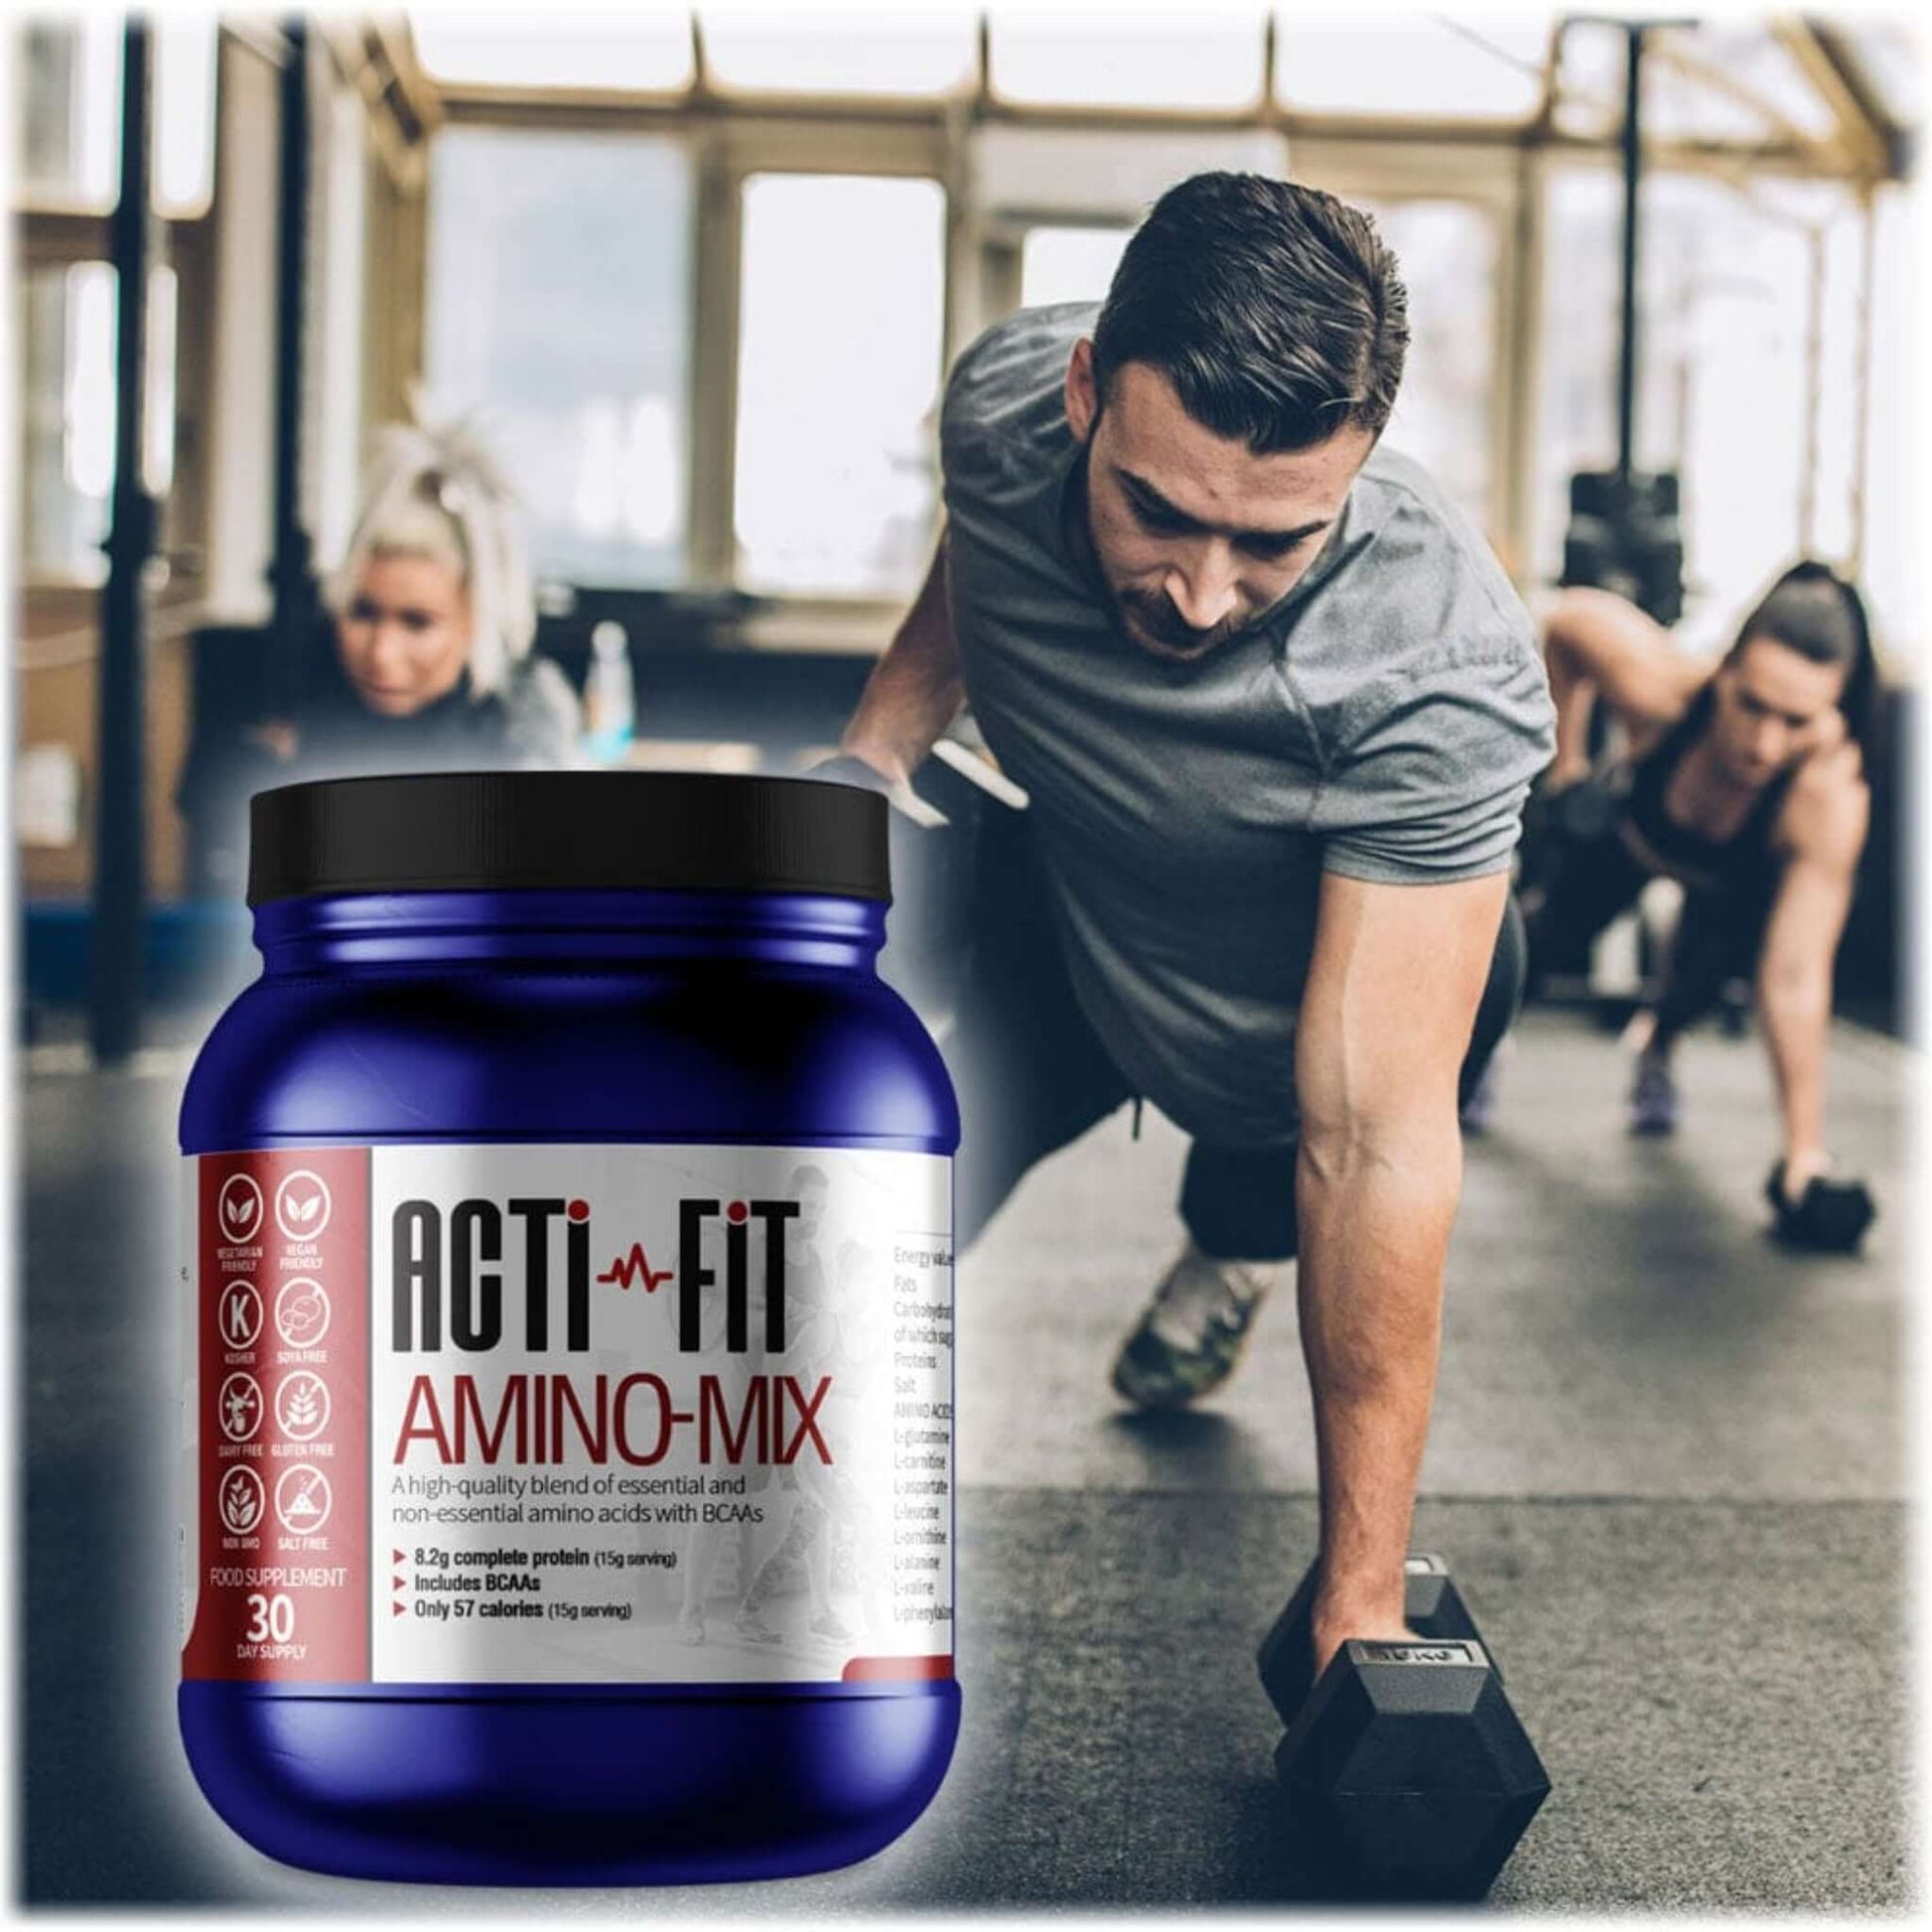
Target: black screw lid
[{"x": 484, "y": 831}]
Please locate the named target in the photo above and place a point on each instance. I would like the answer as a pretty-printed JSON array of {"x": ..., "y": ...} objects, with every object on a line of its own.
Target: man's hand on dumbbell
[{"x": 847, "y": 768}]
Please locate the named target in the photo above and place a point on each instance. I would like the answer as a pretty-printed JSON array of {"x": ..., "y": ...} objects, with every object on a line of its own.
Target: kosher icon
[{"x": 242, "y": 1314}]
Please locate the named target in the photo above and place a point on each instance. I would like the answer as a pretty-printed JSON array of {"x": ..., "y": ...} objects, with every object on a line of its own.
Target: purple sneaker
[{"x": 1653, "y": 1097}]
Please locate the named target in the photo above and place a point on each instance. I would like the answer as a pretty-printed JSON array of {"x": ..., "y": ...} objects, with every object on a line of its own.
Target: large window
[
  {"x": 67, "y": 421},
  {"x": 640, "y": 49},
  {"x": 877, "y": 52},
  {"x": 1210, "y": 58},
  {"x": 1486, "y": 68},
  {"x": 559, "y": 317},
  {"x": 1726, "y": 375},
  {"x": 1895, "y": 458},
  {"x": 67, "y": 142},
  {"x": 68, "y": 136},
  {"x": 1068, "y": 264},
  {"x": 841, "y": 336},
  {"x": 1450, "y": 254}
]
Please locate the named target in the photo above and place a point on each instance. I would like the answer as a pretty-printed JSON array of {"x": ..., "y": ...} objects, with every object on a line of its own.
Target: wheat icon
[{"x": 302, "y": 1405}]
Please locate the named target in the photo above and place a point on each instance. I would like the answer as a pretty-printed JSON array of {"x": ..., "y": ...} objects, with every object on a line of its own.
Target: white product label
[{"x": 627, "y": 1415}]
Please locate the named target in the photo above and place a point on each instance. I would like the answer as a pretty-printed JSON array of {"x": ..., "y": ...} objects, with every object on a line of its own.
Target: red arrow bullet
[
  {"x": 399, "y": 1609},
  {"x": 396, "y": 1556}
]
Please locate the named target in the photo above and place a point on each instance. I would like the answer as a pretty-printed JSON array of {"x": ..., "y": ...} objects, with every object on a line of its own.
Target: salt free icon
[
  {"x": 301, "y": 1205},
  {"x": 302, "y": 1499}
]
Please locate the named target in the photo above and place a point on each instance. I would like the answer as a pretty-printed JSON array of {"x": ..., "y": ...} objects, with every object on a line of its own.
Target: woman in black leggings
[{"x": 1745, "y": 785}]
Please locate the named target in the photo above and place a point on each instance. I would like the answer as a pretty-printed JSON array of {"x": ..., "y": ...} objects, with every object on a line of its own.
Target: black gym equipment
[
  {"x": 1408, "y": 1775},
  {"x": 1624, "y": 534},
  {"x": 1432, "y": 1607},
  {"x": 1829, "y": 1218},
  {"x": 1407, "y": 1772}
]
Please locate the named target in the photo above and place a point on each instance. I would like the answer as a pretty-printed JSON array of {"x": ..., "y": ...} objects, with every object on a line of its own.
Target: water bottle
[{"x": 610, "y": 696}]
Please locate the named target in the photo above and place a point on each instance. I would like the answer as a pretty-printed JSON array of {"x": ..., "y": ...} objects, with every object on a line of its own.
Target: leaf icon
[
  {"x": 304, "y": 1211},
  {"x": 240, "y": 1506}
]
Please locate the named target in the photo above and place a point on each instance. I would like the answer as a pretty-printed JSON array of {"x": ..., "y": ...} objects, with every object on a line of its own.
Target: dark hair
[
  {"x": 1815, "y": 611},
  {"x": 1275, "y": 310}
]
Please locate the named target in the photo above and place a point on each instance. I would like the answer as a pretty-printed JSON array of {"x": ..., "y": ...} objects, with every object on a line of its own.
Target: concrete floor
[{"x": 1667, "y": 1464}]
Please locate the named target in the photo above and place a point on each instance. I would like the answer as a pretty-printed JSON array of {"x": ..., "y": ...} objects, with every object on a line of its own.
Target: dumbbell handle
[{"x": 1432, "y": 1607}]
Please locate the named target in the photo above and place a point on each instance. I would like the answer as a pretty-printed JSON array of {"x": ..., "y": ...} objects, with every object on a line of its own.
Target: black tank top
[{"x": 1744, "y": 861}]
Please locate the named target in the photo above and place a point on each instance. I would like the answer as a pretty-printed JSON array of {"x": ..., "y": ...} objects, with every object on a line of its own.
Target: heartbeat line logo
[{"x": 626, "y": 1269}]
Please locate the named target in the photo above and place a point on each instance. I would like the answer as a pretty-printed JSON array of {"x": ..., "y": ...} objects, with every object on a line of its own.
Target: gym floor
[{"x": 1667, "y": 1467}]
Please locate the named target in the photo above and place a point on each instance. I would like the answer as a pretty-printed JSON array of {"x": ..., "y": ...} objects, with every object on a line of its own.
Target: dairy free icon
[
  {"x": 301, "y": 1205},
  {"x": 238, "y": 1209},
  {"x": 240, "y": 1406}
]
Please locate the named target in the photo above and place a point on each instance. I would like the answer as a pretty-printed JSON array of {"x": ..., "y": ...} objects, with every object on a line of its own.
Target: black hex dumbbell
[
  {"x": 1407, "y": 1772},
  {"x": 1432, "y": 1607}
]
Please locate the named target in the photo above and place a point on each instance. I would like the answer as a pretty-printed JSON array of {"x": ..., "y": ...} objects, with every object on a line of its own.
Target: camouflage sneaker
[
  {"x": 752, "y": 1626},
  {"x": 1188, "y": 1339}
]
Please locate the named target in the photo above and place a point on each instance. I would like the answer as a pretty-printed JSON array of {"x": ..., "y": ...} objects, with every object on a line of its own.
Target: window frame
[{"x": 730, "y": 133}]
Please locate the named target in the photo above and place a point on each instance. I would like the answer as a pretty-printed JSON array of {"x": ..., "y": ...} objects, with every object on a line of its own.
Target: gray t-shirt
[{"x": 1384, "y": 722}]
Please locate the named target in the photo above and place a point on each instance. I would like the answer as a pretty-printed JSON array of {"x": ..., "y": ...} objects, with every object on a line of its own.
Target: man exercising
[
  {"x": 1745, "y": 785},
  {"x": 1277, "y": 709}
]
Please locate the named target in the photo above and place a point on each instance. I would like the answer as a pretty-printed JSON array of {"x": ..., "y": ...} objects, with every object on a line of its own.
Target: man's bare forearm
[
  {"x": 1375, "y": 1221},
  {"x": 914, "y": 691}
]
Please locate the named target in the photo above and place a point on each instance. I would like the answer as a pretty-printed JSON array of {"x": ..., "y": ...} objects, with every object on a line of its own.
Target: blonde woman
[{"x": 433, "y": 618}]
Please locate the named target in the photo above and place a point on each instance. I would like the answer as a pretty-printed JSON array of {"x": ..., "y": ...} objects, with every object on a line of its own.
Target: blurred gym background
[{"x": 697, "y": 278}]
